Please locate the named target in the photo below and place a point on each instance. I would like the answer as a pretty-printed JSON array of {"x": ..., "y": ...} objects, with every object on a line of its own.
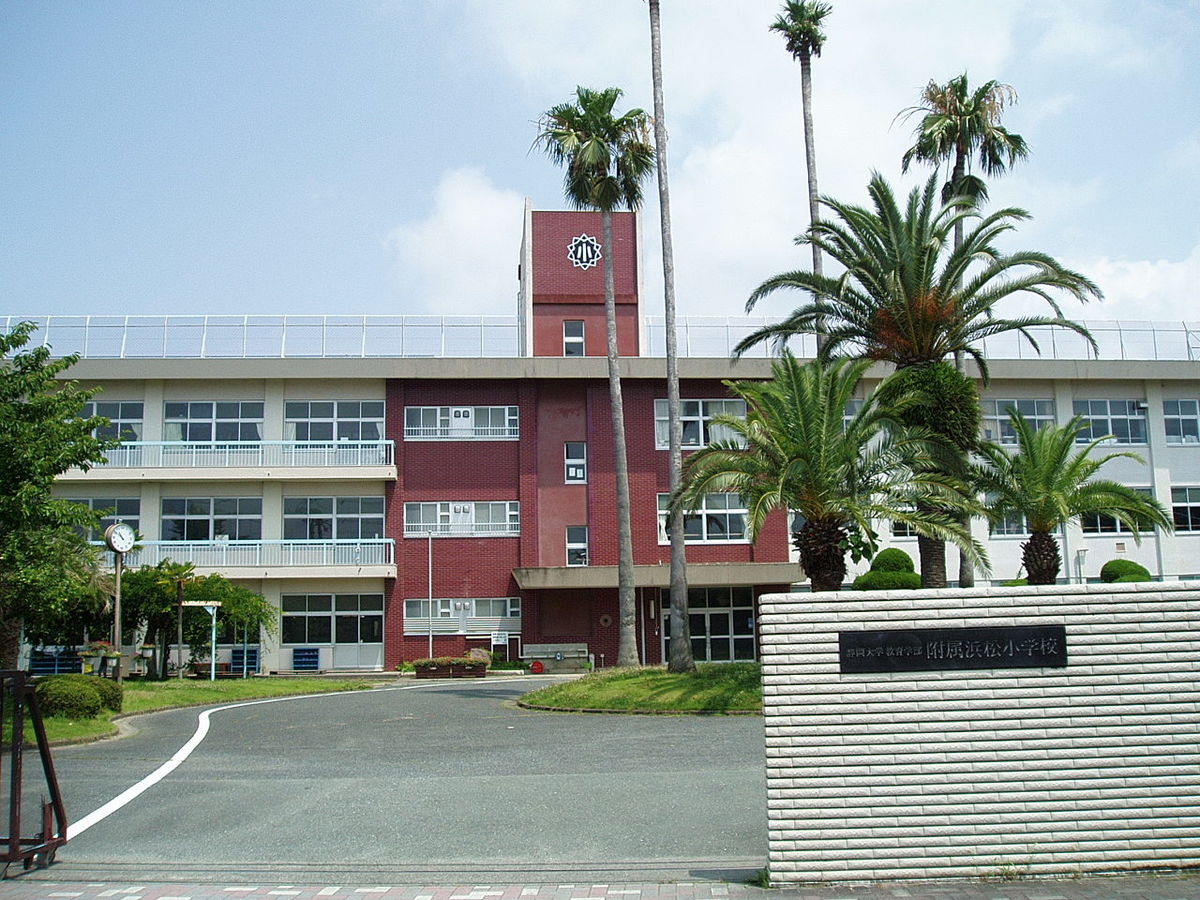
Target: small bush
[
  {"x": 1016, "y": 582},
  {"x": 1130, "y": 579},
  {"x": 69, "y": 698},
  {"x": 1120, "y": 569},
  {"x": 884, "y": 580},
  {"x": 112, "y": 695},
  {"x": 893, "y": 559}
]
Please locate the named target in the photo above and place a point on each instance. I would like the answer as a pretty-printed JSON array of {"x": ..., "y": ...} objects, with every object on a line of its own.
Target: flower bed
[{"x": 450, "y": 667}]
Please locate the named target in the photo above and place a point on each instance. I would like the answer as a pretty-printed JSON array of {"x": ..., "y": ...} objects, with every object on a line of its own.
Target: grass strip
[
  {"x": 714, "y": 688},
  {"x": 152, "y": 696}
]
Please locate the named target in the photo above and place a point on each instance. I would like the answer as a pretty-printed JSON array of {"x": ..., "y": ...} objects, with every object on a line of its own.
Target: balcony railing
[
  {"x": 257, "y": 554},
  {"x": 447, "y": 433},
  {"x": 249, "y": 454},
  {"x": 462, "y": 529}
]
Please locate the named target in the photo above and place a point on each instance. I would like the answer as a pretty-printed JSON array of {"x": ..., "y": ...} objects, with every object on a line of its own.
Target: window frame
[
  {"x": 577, "y": 543},
  {"x": 339, "y": 516},
  {"x": 696, "y": 522},
  {"x": 193, "y": 420},
  {"x": 445, "y": 525},
  {"x": 1135, "y": 411},
  {"x": 574, "y": 345},
  {"x": 345, "y": 419},
  {"x": 696, "y": 414},
  {"x": 1184, "y": 436},
  {"x": 575, "y": 467},
  {"x": 995, "y": 415},
  {"x": 212, "y": 517},
  {"x": 124, "y": 421},
  {"x": 1189, "y": 505}
]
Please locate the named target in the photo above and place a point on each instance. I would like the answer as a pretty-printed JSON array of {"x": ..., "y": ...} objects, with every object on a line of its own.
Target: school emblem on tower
[{"x": 584, "y": 251}]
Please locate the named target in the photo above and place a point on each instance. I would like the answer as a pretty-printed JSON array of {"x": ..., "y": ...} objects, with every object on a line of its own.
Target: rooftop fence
[{"x": 266, "y": 337}]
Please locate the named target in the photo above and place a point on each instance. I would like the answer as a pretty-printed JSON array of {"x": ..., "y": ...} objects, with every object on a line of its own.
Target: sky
[{"x": 373, "y": 156}]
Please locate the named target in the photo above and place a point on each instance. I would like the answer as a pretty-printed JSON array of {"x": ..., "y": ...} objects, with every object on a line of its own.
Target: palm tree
[
  {"x": 176, "y": 575},
  {"x": 681, "y": 650},
  {"x": 907, "y": 296},
  {"x": 957, "y": 125},
  {"x": 606, "y": 158},
  {"x": 800, "y": 24},
  {"x": 797, "y": 449},
  {"x": 1048, "y": 480}
]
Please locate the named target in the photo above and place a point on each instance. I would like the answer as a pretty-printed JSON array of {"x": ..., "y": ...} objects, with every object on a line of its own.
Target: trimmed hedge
[
  {"x": 887, "y": 580},
  {"x": 69, "y": 698},
  {"x": 112, "y": 695},
  {"x": 1124, "y": 570},
  {"x": 893, "y": 559}
]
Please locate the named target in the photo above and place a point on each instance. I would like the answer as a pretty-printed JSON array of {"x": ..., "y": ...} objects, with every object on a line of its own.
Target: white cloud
[
  {"x": 1156, "y": 290},
  {"x": 461, "y": 259}
]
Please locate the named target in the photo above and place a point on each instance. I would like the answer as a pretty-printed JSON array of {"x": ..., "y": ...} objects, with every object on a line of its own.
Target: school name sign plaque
[{"x": 952, "y": 649}]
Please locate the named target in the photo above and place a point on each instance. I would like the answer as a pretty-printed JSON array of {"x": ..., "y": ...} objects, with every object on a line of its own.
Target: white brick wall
[{"x": 1093, "y": 767}]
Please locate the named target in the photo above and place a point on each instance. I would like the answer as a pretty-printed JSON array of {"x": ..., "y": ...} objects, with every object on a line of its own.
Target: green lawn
[
  {"x": 146, "y": 696},
  {"x": 713, "y": 688}
]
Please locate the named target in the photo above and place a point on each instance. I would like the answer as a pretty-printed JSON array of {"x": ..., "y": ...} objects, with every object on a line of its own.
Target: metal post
[
  {"x": 120, "y": 566},
  {"x": 212, "y": 645},
  {"x": 429, "y": 561}
]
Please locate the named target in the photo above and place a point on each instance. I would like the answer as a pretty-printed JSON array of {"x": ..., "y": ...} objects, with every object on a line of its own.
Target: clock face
[{"x": 119, "y": 537}]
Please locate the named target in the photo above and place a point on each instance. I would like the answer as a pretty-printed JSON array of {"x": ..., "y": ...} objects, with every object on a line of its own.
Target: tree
[
  {"x": 606, "y": 158},
  {"x": 906, "y": 296},
  {"x": 176, "y": 575},
  {"x": 800, "y": 24},
  {"x": 799, "y": 449},
  {"x": 46, "y": 564},
  {"x": 681, "y": 659},
  {"x": 1049, "y": 480},
  {"x": 957, "y": 126}
]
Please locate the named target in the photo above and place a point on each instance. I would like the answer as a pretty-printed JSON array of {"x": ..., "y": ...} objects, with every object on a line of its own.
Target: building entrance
[{"x": 721, "y": 621}]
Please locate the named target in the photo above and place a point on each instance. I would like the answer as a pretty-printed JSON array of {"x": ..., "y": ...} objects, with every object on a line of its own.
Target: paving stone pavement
[{"x": 1145, "y": 887}]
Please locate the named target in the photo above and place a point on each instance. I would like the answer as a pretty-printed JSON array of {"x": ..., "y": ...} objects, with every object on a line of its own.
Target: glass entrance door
[{"x": 721, "y": 621}]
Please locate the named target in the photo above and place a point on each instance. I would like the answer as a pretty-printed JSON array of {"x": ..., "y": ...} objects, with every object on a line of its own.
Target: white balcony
[
  {"x": 249, "y": 454},
  {"x": 272, "y": 559},
  {"x": 458, "y": 433}
]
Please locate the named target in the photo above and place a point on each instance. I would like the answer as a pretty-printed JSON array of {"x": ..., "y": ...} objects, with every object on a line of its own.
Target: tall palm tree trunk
[
  {"x": 810, "y": 158},
  {"x": 966, "y": 572},
  {"x": 1042, "y": 558},
  {"x": 681, "y": 659},
  {"x": 627, "y": 648}
]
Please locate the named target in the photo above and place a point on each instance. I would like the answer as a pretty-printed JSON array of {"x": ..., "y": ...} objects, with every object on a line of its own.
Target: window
[
  {"x": 1097, "y": 523},
  {"x": 575, "y": 453},
  {"x": 467, "y": 615},
  {"x": 203, "y": 423},
  {"x": 697, "y": 416},
  {"x": 115, "y": 509},
  {"x": 211, "y": 518},
  {"x": 463, "y": 518},
  {"x": 577, "y": 545},
  {"x": 1182, "y": 421},
  {"x": 1011, "y": 523},
  {"x": 332, "y": 618},
  {"x": 720, "y": 519},
  {"x": 461, "y": 423},
  {"x": 124, "y": 419},
  {"x": 330, "y": 420},
  {"x": 573, "y": 337},
  {"x": 332, "y": 518},
  {"x": 997, "y": 427},
  {"x": 1185, "y": 507},
  {"x": 903, "y": 530},
  {"x": 1123, "y": 419}
]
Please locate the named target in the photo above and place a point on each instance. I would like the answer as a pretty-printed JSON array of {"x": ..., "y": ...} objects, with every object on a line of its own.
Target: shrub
[
  {"x": 1121, "y": 570},
  {"x": 887, "y": 580},
  {"x": 893, "y": 559},
  {"x": 1016, "y": 582},
  {"x": 69, "y": 698},
  {"x": 1129, "y": 579},
  {"x": 111, "y": 694}
]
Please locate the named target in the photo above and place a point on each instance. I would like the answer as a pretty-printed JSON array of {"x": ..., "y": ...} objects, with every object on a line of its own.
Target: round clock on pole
[{"x": 120, "y": 537}]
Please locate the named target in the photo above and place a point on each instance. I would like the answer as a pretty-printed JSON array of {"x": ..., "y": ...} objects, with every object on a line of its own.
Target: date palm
[
  {"x": 681, "y": 659},
  {"x": 1049, "y": 480},
  {"x": 606, "y": 157},
  {"x": 907, "y": 296},
  {"x": 796, "y": 449},
  {"x": 800, "y": 24}
]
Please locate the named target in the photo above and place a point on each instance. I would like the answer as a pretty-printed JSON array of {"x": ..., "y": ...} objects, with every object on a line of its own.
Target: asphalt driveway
[{"x": 407, "y": 781}]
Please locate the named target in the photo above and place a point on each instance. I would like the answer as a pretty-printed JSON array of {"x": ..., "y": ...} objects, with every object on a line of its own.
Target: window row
[{"x": 331, "y": 618}]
